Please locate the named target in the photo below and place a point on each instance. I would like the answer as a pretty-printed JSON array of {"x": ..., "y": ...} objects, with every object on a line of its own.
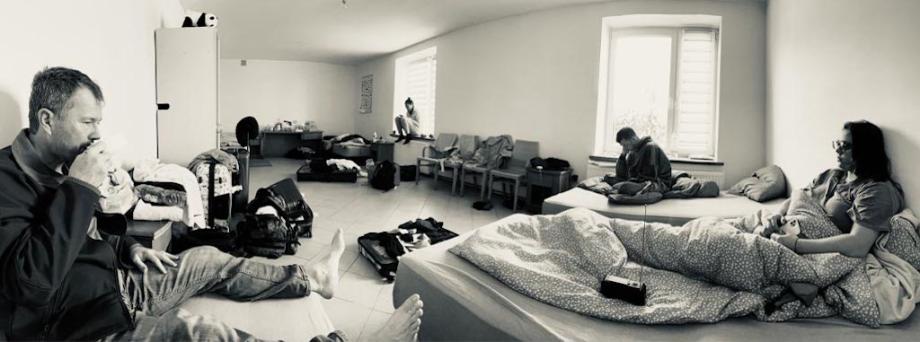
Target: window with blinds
[
  {"x": 416, "y": 78},
  {"x": 662, "y": 82}
]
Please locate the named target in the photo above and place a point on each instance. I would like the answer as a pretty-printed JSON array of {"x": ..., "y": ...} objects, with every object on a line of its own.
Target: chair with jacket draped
[{"x": 435, "y": 155}]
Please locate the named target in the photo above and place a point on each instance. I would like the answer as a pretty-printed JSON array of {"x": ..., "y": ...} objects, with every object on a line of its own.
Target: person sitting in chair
[
  {"x": 642, "y": 166},
  {"x": 65, "y": 275},
  {"x": 407, "y": 125}
]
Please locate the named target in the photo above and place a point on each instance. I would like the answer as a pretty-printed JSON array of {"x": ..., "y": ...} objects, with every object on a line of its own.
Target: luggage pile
[{"x": 384, "y": 249}]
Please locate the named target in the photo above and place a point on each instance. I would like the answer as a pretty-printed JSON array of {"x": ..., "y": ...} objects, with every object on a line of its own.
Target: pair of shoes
[
  {"x": 407, "y": 140},
  {"x": 482, "y": 205},
  {"x": 401, "y": 137}
]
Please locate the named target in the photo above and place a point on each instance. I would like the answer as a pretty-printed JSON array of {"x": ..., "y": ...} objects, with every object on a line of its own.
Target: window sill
[
  {"x": 613, "y": 160},
  {"x": 416, "y": 138}
]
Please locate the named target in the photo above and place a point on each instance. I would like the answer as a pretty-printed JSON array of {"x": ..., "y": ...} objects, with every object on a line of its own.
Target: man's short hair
[
  {"x": 52, "y": 87},
  {"x": 408, "y": 101},
  {"x": 625, "y": 133}
]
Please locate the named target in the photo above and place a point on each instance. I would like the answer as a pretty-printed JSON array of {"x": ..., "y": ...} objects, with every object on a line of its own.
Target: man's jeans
[{"x": 156, "y": 296}]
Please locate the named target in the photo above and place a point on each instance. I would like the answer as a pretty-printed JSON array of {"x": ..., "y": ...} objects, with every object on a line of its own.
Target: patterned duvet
[{"x": 707, "y": 270}]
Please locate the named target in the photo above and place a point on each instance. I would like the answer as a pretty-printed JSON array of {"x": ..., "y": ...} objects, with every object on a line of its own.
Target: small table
[
  {"x": 151, "y": 234},
  {"x": 382, "y": 150},
  {"x": 279, "y": 143},
  {"x": 552, "y": 182}
]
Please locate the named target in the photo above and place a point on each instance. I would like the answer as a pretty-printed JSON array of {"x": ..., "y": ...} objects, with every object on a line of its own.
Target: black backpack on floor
[
  {"x": 385, "y": 176},
  {"x": 273, "y": 235}
]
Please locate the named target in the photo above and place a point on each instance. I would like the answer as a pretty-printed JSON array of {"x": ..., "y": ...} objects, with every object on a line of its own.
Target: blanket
[
  {"x": 682, "y": 186},
  {"x": 707, "y": 270}
]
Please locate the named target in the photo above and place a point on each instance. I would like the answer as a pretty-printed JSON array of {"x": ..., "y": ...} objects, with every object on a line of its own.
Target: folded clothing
[
  {"x": 153, "y": 171},
  {"x": 144, "y": 211},
  {"x": 156, "y": 195}
]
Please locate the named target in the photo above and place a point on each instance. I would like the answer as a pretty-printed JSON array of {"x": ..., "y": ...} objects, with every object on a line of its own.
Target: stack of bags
[{"x": 167, "y": 192}]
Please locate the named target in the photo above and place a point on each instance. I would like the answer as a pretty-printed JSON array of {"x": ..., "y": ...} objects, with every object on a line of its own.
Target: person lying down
[{"x": 812, "y": 265}]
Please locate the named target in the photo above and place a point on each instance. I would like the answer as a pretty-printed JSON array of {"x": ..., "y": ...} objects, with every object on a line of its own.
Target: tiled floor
[{"x": 364, "y": 301}]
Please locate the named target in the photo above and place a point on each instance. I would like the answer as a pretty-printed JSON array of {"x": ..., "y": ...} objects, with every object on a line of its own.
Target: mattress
[
  {"x": 351, "y": 151},
  {"x": 670, "y": 211},
  {"x": 288, "y": 319},
  {"x": 465, "y": 303}
]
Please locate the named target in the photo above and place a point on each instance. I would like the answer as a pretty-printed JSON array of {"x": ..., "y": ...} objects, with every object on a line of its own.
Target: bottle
[{"x": 369, "y": 166}]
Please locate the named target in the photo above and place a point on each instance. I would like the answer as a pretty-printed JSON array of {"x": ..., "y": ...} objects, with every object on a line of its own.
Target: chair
[
  {"x": 516, "y": 169},
  {"x": 434, "y": 155},
  {"x": 467, "y": 144},
  {"x": 484, "y": 166}
]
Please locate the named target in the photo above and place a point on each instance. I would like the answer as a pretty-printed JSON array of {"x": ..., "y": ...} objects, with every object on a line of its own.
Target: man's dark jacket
[
  {"x": 648, "y": 162},
  {"x": 56, "y": 282}
]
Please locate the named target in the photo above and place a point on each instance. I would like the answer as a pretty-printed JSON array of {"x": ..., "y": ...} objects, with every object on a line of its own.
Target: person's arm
[
  {"x": 856, "y": 244},
  {"x": 39, "y": 247}
]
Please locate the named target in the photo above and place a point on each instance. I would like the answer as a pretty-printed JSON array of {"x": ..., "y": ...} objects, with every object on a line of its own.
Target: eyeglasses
[{"x": 841, "y": 145}]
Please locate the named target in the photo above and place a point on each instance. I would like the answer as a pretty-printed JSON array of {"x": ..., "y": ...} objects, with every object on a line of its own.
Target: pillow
[
  {"x": 904, "y": 240},
  {"x": 765, "y": 184}
]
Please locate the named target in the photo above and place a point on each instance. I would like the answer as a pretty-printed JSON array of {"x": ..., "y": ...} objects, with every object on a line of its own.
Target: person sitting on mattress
[
  {"x": 407, "y": 125},
  {"x": 642, "y": 166},
  {"x": 61, "y": 278},
  {"x": 859, "y": 197}
]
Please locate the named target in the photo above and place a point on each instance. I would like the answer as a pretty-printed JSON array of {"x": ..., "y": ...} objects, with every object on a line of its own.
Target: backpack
[
  {"x": 385, "y": 176},
  {"x": 272, "y": 235},
  {"x": 268, "y": 235}
]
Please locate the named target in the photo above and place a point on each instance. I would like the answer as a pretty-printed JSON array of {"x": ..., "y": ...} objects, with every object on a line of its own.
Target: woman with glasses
[{"x": 859, "y": 196}]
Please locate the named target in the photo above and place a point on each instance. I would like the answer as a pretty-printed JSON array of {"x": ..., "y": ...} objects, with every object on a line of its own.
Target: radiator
[
  {"x": 715, "y": 176},
  {"x": 601, "y": 168}
]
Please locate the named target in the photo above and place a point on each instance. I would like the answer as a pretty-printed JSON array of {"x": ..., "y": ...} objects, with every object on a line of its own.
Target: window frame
[
  {"x": 400, "y": 71},
  {"x": 673, "y": 26}
]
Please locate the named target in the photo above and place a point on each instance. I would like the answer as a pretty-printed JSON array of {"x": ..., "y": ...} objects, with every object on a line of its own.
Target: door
[{"x": 187, "y": 67}]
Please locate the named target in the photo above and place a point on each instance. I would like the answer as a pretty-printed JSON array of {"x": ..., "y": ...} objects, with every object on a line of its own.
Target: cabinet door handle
[{"x": 162, "y": 106}]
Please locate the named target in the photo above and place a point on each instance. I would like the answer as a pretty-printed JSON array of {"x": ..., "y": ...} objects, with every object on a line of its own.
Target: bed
[
  {"x": 351, "y": 150},
  {"x": 670, "y": 211},
  {"x": 465, "y": 303},
  {"x": 289, "y": 319}
]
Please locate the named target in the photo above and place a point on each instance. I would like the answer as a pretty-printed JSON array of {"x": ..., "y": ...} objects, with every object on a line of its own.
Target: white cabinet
[{"x": 187, "y": 70}]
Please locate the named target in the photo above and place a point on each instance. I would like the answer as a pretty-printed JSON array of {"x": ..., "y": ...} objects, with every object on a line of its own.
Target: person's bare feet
[
  {"x": 324, "y": 273},
  {"x": 403, "y": 325}
]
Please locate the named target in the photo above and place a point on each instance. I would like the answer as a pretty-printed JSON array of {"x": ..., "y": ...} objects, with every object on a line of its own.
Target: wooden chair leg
[
  {"x": 516, "y": 185},
  {"x": 453, "y": 181},
  {"x": 462, "y": 178},
  {"x": 418, "y": 169}
]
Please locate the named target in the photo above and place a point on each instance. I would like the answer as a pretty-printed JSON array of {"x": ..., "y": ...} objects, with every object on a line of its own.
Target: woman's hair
[{"x": 869, "y": 151}]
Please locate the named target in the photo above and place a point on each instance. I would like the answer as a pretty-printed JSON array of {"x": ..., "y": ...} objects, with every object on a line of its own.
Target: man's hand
[
  {"x": 92, "y": 166},
  {"x": 787, "y": 240},
  {"x": 141, "y": 254}
]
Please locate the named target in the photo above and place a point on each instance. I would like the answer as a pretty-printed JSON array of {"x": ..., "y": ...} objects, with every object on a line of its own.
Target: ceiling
[{"x": 326, "y": 31}]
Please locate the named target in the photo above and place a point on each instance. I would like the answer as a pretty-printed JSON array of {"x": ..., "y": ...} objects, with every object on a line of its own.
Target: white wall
[
  {"x": 832, "y": 61},
  {"x": 289, "y": 90},
  {"x": 109, "y": 40},
  {"x": 534, "y": 76}
]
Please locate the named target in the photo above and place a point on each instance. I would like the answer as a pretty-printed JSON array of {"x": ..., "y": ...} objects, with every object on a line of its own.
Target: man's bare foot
[
  {"x": 403, "y": 325},
  {"x": 324, "y": 273}
]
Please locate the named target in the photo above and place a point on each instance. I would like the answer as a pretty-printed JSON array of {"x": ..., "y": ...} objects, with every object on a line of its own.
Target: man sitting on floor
[
  {"x": 61, "y": 278},
  {"x": 642, "y": 166}
]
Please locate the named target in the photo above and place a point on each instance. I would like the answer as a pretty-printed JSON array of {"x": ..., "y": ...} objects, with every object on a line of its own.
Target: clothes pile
[
  {"x": 167, "y": 192},
  {"x": 384, "y": 249}
]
